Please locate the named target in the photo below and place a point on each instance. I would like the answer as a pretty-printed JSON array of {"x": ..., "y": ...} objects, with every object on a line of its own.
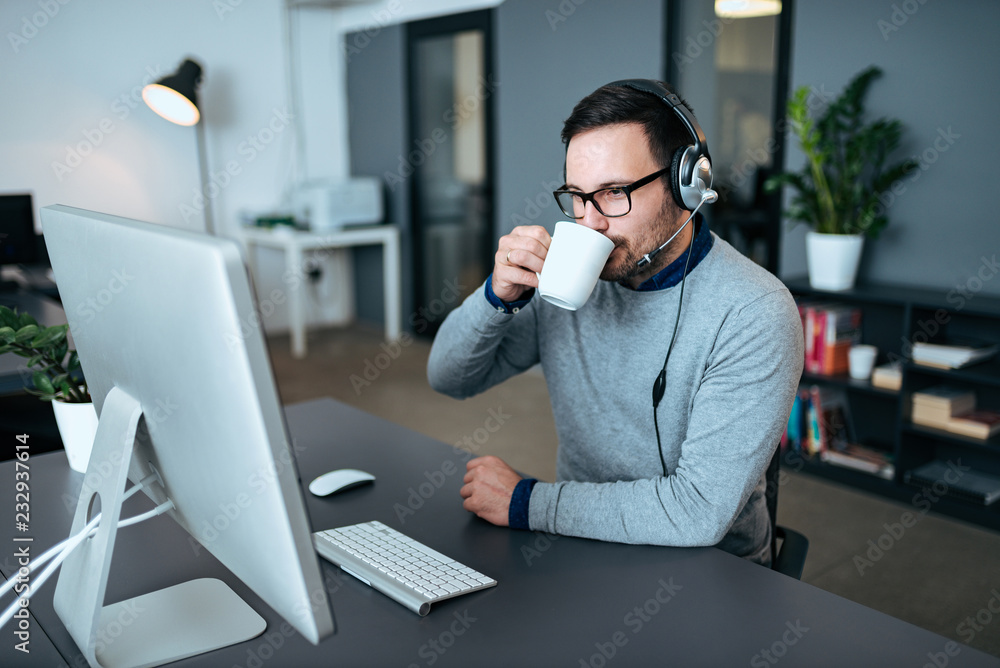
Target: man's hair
[{"x": 612, "y": 105}]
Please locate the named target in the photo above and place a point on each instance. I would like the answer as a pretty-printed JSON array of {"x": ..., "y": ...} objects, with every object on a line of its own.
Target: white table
[{"x": 296, "y": 244}]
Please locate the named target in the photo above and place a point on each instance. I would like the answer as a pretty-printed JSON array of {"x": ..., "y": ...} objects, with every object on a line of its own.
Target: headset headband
[{"x": 674, "y": 102}]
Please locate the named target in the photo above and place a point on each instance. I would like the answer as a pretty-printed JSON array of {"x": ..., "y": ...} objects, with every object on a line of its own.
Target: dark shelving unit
[{"x": 893, "y": 318}]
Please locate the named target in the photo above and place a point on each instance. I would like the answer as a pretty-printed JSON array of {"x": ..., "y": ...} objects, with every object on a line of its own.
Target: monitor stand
[{"x": 156, "y": 628}]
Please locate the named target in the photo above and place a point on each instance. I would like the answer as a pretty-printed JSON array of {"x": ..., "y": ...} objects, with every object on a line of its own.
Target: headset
[
  {"x": 691, "y": 167},
  {"x": 691, "y": 186}
]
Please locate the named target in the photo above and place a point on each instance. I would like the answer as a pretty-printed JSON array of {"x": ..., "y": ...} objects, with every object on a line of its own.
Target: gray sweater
[{"x": 731, "y": 379}]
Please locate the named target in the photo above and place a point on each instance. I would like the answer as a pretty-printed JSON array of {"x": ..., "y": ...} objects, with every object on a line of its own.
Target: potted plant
[
  {"x": 55, "y": 376},
  {"x": 838, "y": 189}
]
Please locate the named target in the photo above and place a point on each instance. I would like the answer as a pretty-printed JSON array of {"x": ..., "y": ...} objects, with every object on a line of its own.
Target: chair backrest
[{"x": 771, "y": 495}]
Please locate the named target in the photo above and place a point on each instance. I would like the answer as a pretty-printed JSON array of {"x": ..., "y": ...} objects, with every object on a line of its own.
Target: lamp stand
[{"x": 202, "y": 171}]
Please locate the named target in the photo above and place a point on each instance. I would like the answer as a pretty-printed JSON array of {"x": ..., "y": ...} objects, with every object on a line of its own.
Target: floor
[{"x": 937, "y": 573}]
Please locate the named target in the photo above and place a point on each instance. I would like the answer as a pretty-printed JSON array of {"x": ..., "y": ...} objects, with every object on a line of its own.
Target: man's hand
[
  {"x": 519, "y": 255},
  {"x": 489, "y": 484}
]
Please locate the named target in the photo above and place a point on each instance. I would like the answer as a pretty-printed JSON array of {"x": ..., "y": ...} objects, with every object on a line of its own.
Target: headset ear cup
[{"x": 675, "y": 177}]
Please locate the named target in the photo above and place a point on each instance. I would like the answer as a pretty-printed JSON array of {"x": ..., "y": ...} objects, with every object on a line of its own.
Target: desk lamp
[{"x": 175, "y": 98}]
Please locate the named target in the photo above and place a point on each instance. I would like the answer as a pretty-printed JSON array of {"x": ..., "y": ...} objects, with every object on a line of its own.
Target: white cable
[
  {"x": 71, "y": 544},
  {"x": 90, "y": 529},
  {"x": 38, "y": 562},
  {"x": 74, "y": 543}
]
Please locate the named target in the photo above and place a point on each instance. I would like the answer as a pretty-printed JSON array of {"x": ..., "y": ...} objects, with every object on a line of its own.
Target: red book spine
[{"x": 819, "y": 341}]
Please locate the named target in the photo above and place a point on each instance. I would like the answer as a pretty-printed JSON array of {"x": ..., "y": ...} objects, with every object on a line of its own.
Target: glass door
[
  {"x": 747, "y": 44},
  {"x": 449, "y": 150}
]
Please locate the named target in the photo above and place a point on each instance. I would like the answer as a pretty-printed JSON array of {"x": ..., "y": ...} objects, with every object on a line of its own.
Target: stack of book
[
  {"x": 954, "y": 354},
  {"x": 971, "y": 485},
  {"x": 861, "y": 458},
  {"x": 818, "y": 422},
  {"x": 953, "y": 409},
  {"x": 888, "y": 376},
  {"x": 819, "y": 426},
  {"x": 829, "y": 330}
]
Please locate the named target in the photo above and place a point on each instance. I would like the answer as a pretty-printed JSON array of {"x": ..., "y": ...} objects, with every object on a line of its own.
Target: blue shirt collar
[{"x": 670, "y": 275}]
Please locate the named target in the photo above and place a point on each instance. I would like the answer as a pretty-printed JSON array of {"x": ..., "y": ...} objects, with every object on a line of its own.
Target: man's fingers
[{"x": 536, "y": 232}]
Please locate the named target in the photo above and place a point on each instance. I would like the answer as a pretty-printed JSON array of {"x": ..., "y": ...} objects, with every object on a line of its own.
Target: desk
[
  {"x": 560, "y": 601},
  {"x": 296, "y": 244}
]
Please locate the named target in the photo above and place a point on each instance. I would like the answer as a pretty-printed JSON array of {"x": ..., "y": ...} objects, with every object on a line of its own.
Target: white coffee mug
[{"x": 573, "y": 264}]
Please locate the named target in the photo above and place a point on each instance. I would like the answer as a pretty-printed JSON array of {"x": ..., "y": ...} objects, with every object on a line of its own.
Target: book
[
  {"x": 945, "y": 397},
  {"x": 792, "y": 439},
  {"x": 841, "y": 330},
  {"x": 829, "y": 331},
  {"x": 976, "y": 424},
  {"x": 818, "y": 420},
  {"x": 933, "y": 420},
  {"x": 813, "y": 442},
  {"x": 954, "y": 354},
  {"x": 969, "y": 485},
  {"x": 888, "y": 376},
  {"x": 861, "y": 458},
  {"x": 810, "y": 331}
]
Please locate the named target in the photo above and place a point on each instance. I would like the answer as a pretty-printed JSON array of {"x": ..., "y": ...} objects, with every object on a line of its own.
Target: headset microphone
[{"x": 707, "y": 197}]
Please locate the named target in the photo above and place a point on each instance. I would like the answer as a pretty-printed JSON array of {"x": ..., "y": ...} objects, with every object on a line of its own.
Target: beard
[{"x": 624, "y": 262}]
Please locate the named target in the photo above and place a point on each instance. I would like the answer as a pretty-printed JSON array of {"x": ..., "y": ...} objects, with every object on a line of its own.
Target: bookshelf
[{"x": 893, "y": 318}]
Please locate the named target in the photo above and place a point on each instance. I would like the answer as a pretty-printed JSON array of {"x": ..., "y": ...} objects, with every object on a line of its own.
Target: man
[{"x": 695, "y": 475}]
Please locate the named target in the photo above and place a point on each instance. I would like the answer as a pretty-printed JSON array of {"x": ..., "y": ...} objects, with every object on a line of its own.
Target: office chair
[{"x": 790, "y": 558}]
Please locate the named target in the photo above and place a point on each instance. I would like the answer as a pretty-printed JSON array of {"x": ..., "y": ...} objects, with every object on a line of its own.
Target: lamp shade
[
  {"x": 175, "y": 97},
  {"x": 746, "y": 9}
]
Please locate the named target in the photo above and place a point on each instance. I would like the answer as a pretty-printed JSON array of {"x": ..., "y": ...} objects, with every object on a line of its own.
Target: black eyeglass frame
[{"x": 589, "y": 197}]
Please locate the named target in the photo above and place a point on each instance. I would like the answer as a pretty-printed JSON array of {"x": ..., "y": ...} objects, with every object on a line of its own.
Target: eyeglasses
[{"x": 611, "y": 202}]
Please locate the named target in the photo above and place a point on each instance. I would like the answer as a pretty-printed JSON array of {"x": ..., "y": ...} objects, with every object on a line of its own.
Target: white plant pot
[
  {"x": 77, "y": 427},
  {"x": 833, "y": 259}
]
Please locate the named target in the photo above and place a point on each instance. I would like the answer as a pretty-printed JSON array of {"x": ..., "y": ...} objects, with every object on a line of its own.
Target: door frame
[{"x": 482, "y": 20}]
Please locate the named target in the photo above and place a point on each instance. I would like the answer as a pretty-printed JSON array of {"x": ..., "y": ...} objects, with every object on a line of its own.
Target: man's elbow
[
  {"x": 712, "y": 531},
  {"x": 445, "y": 383}
]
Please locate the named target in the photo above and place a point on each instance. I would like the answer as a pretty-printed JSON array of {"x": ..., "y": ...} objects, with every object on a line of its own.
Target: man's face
[{"x": 617, "y": 155}]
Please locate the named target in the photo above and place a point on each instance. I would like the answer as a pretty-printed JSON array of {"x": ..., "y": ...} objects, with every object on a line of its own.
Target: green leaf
[
  {"x": 74, "y": 362},
  {"x": 43, "y": 383},
  {"x": 25, "y": 319},
  {"x": 48, "y": 337},
  {"x": 5, "y": 348},
  {"x": 8, "y": 318},
  {"x": 64, "y": 388},
  {"x": 846, "y": 158},
  {"x": 26, "y": 333},
  {"x": 35, "y": 360},
  {"x": 7, "y": 335}
]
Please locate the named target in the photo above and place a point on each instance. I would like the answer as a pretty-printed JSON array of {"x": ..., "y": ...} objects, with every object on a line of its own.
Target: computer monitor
[
  {"x": 18, "y": 241},
  {"x": 171, "y": 347}
]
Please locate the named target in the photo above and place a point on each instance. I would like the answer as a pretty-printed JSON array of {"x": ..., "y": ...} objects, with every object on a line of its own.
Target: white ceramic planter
[
  {"x": 833, "y": 259},
  {"x": 77, "y": 427}
]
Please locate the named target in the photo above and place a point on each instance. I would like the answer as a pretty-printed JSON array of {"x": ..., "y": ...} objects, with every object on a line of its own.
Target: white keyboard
[{"x": 398, "y": 566}]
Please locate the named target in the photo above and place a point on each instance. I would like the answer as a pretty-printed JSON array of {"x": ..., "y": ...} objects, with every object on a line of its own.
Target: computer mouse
[{"x": 338, "y": 481}]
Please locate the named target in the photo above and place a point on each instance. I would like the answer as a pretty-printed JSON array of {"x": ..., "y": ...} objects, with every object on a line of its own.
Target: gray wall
[
  {"x": 548, "y": 58},
  {"x": 940, "y": 76},
  {"x": 376, "y": 109},
  {"x": 941, "y": 67},
  {"x": 548, "y": 55}
]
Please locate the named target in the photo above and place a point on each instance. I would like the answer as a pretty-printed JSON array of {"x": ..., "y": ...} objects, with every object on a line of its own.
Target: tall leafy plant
[
  {"x": 55, "y": 369},
  {"x": 837, "y": 192}
]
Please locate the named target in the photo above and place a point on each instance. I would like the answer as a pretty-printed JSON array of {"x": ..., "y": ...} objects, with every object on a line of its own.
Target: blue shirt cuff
[
  {"x": 501, "y": 305},
  {"x": 517, "y": 516}
]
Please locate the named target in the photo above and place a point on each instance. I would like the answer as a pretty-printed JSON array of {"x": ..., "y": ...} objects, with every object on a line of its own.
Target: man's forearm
[{"x": 479, "y": 346}]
